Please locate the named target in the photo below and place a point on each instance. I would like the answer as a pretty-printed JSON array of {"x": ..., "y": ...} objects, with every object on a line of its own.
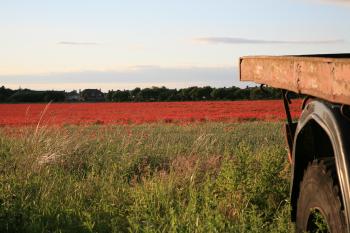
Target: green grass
[{"x": 210, "y": 177}]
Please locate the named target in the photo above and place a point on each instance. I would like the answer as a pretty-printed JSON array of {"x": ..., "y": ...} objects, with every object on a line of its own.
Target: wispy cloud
[
  {"x": 238, "y": 40},
  {"x": 76, "y": 43},
  {"x": 342, "y": 1},
  {"x": 338, "y": 2}
]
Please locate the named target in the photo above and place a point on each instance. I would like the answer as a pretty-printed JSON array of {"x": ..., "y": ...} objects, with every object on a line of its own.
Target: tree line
[
  {"x": 29, "y": 96},
  {"x": 192, "y": 94},
  {"x": 147, "y": 94}
]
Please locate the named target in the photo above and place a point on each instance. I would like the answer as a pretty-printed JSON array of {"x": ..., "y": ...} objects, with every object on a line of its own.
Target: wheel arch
[{"x": 321, "y": 130}]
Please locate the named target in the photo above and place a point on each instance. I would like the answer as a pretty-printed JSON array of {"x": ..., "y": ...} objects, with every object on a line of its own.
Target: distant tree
[
  {"x": 257, "y": 93},
  {"x": 194, "y": 93},
  {"x": 242, "y": 94},
  {"x": 109, "y": 95},
  {"x": 121, "y": 96},
  {"x": 26, "y": 95},
  {"x": 172, "y": 95},
  {"x": 146, "y": 94},
  {"x": 275, "y": 93},
  {"x": 185, "y": 93},
  {"x": 54, "y": 96},
  {"x": 218, "y": 94},
  {"x": 134, "y": 93},
  {"x": 231, "y": 93},
  {"x": 5, "y": 94},
  {"x": 204, "y": 93}
]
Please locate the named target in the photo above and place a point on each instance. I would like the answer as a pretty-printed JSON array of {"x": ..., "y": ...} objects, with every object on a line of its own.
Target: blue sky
[{"x": 107, "y": 44}]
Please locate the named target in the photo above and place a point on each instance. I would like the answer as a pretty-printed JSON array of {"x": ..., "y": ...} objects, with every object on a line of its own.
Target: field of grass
[{"x": 203, "y": 177}]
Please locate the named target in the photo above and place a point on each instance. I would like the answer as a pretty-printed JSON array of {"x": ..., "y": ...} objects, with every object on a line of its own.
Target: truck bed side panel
[{"x": 326, "y": 78}]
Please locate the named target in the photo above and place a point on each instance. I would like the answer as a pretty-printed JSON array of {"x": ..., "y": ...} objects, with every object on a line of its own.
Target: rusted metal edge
[{"x": 323, "y": 77}]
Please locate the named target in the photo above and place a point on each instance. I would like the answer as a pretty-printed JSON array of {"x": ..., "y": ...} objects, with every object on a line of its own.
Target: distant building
[
  {"x": 73, "y": 96},
  {"x": 94, "y": 95}
]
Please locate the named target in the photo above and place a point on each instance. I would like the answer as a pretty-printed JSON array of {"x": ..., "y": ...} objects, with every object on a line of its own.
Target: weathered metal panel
[
  {"x": 274, "y": 72},
  {"x": 341, "y": 83},
  {"x": 326, "y": 78},
  {"x": 315, "y": 78}
]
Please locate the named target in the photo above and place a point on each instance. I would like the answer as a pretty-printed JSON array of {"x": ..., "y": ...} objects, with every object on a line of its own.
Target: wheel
[{"x": 319, "y": 207}]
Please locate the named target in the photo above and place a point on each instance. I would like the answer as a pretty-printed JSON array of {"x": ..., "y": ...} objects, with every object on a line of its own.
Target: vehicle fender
[{"x": 337, "y": 126}]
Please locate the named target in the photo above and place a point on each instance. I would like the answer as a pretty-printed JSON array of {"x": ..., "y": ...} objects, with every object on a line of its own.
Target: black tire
[{"x": 320, "y": 196}]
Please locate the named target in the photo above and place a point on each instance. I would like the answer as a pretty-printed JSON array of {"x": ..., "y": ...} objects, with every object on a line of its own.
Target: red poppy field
[{"x": 138, "y": 113}]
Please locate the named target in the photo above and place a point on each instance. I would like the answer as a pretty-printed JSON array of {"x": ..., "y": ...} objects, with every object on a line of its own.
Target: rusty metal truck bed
[{"x": 323, "y": 76}]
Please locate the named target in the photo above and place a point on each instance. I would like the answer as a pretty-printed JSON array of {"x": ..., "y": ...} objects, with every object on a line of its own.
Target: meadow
[{"x": 156, "y": 177}]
